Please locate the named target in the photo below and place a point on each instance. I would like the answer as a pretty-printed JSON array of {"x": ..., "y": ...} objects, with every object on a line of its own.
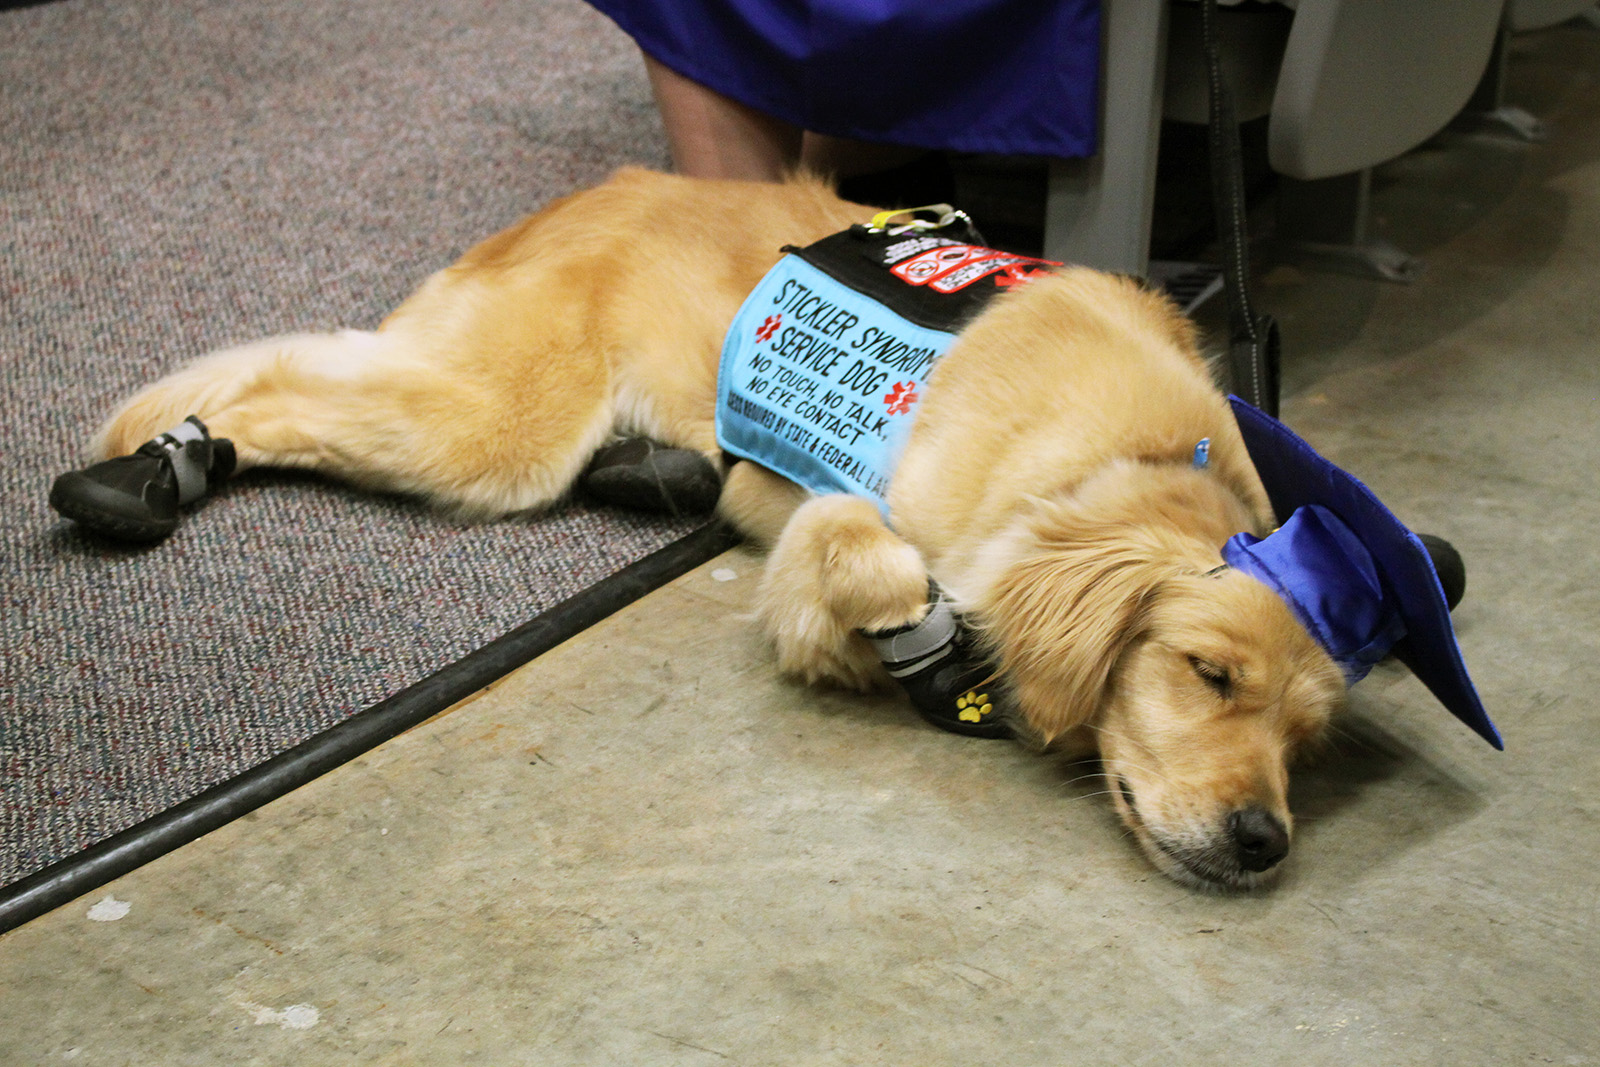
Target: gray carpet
[{"x": 178, "y": 175}]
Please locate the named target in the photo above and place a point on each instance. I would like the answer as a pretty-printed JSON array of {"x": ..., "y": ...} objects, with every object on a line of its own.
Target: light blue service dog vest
[{"x": 820, "y": 380}]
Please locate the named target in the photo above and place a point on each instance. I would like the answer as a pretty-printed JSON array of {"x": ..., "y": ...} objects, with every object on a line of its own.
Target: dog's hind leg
[
  {"x": 386, "y": 411},
  {"x": 216, "y": 382},
  {"x": 837, "y": 570},
  {"x": 157, "y": 453}
]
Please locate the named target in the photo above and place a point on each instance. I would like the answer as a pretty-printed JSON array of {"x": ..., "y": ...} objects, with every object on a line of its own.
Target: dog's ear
[{"x": 1060, "y": 612}]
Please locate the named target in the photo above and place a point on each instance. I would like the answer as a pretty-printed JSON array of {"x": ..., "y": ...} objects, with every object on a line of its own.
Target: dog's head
[
  {"x": 1197, "y": 686},
  {"x": 1214, "y": 692}
]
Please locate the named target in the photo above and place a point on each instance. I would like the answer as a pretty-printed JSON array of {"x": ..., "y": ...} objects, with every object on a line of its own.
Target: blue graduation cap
[{"x": 1353, "y": 574}]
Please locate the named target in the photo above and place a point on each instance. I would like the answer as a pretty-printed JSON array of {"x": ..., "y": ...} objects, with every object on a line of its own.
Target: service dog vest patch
[{"x": 824, "y": 364}]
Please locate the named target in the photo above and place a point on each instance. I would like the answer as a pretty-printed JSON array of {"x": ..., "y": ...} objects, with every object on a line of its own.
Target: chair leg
[
  {"x": 1323, "y": 225},
  {"x": 1487, "y": 110},
  {"x": 1098, "y": 209}
]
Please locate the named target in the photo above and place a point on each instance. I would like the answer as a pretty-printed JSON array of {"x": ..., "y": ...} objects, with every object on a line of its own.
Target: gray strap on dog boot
[
  {"x": 949, "y": 686},
  {"x": 188, "y": 449},
  {"x": 137, "y": 497},
  {"x": 917, "y": 646}
]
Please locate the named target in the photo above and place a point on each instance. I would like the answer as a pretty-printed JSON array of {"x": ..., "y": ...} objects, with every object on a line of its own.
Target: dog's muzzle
[{"x": 1248, "y": 843}]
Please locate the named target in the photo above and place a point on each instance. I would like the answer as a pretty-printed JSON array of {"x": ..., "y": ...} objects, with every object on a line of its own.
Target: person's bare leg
[
  {"x": 845, "y": 157},
  {"x": 713, "y": 136}
]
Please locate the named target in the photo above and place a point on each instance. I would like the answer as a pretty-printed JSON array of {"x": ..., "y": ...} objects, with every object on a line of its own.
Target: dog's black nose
[{"x": 1259, "y": 836}]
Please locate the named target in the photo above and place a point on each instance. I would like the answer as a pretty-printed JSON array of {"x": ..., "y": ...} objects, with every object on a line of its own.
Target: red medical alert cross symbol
[
  {"x": 768, "y": 328},
  {"x": 901, "y": 398}
]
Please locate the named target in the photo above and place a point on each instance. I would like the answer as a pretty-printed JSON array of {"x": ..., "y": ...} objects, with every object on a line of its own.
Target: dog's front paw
[
  {"x": 837, "y": 569},
  {"x": 814, "y": 648}
]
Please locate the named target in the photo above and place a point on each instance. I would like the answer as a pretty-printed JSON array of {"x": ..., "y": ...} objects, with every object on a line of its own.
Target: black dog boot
[
  {"x": 137, "y": 497},
  {"x": 641, "y": 474},
  {"x": 949, "y": 686}
]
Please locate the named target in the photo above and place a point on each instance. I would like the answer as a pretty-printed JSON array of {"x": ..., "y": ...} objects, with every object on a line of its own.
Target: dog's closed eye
[{"x": 1214, "y": 676}]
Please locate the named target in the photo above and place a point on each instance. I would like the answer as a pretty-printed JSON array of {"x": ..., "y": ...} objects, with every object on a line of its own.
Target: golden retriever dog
[{"x": 1047, "y": 485}]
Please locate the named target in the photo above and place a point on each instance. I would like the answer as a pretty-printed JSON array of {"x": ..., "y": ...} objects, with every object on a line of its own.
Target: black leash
[{"x": 1253, "y": 356}]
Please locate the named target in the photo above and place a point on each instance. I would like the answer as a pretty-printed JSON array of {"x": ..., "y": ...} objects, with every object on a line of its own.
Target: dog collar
[{"x": 1352, "y": 573}]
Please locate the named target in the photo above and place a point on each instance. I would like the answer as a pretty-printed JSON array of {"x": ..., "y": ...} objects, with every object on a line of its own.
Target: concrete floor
[{"x": 645, "y": 848}]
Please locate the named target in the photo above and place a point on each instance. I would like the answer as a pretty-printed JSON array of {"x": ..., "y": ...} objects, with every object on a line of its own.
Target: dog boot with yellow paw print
[{"x": 948, "y": 686}]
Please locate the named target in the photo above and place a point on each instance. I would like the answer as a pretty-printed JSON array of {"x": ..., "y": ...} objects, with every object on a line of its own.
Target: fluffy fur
[{"x": 1047, "y": 484}]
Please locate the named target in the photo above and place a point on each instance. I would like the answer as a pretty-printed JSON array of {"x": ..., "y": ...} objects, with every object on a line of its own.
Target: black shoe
[
  {"x": 640, "y": 474},
  {"x": 949, "y": 686},
  {"x": 137, "y": 497}
]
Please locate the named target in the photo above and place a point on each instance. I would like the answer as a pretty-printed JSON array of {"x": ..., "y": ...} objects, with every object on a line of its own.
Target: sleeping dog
[{"x": 1048, "y": 484}]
